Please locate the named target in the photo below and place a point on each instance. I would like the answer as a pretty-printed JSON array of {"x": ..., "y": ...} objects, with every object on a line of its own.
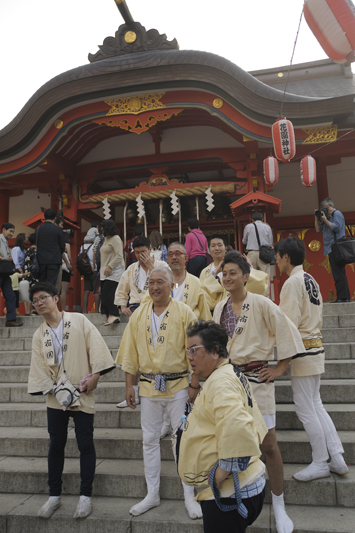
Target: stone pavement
[{"x": 326, "y": 505}]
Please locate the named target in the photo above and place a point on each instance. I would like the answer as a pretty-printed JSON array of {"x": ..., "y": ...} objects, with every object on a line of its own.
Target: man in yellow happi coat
[
  {"x": 220, "y": 442},
  {"x": 154, "y": 343},
  {"x": 301, "y": 301},
  {"x": 133, "y": 286},
  {"x": 253, "y": 324},
  {"x": 211, "y": 276},
  {"x": 67, "y": 345},
  {"x": 187, "y": 288}
]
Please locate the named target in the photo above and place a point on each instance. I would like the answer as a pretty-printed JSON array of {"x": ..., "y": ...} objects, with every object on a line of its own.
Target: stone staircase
[{"x": 326, "y": 505}]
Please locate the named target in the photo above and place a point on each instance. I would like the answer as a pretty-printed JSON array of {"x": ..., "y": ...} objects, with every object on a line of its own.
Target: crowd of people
[{"x": 200, "y": 347}]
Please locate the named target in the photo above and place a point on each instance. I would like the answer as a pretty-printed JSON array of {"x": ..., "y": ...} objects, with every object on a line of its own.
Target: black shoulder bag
[
  {"x": 266, "y": 253},
  {"x": 343, "y": 249}
]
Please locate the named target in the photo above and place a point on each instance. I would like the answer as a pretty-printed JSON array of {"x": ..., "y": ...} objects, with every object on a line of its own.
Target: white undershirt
[
  {"x": 57, "y": 335},
  {"x": 213, "y": 268},
  {"x": 142, "y": 276},
  {"x": 155, "y": 325},
  {"x": 178, "y": 293}
]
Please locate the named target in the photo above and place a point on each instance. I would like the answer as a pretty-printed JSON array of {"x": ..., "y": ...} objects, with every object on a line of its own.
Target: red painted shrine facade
[{"x": 154, "y": 121}]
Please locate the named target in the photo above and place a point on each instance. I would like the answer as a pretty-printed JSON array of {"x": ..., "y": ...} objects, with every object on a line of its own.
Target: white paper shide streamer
[
  {"x": 106, "y": 207},
  {"x": 140, "y": 206},
  {"x": 174, "y": 203},
  {"x": 209, "y": 199}
]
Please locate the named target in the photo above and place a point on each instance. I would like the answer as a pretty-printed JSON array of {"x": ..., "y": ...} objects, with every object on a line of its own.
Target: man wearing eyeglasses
[
  {"x": 67, "y": 346},
  {"x": 133, "y": 287},
  {"x": 154, "y": 343}
]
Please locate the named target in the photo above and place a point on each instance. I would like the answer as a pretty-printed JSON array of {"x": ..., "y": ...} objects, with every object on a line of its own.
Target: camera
[{"x": 319, "y": 212}]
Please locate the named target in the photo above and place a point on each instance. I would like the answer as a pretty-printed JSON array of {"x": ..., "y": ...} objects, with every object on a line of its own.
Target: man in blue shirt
[{"x": 332, "y": 225}]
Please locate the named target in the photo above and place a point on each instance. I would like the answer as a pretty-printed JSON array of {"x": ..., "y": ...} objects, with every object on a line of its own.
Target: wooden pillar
[
  {"x": 322, "y": 180},
  {"x": 70, "y": 210},
  {"x": 4, "y": 208}
]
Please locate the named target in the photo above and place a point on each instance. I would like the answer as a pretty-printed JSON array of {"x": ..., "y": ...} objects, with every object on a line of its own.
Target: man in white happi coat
[
  {"x": 253, "y": 323},
  {"x": 133, "y": 287},
  {"x": 301, "y": 301},
  {"x": 154, "y": 343},
  {"x": 67, "y": 346},
  {"x": 211, "y": 276}
]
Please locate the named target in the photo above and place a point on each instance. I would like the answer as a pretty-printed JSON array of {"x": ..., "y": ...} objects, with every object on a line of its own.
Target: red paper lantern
[
  {"x": 283, "y": 138},
  {"x": 333, "y": 25},
  {"x": 271, "y": 170},
  {"x": 308, "y": 171}
]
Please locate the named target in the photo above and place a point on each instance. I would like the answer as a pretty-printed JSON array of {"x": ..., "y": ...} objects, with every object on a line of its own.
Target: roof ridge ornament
[{"x": 131, "y": 37}]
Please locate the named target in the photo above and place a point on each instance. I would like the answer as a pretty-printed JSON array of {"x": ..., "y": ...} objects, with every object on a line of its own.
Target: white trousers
[
  {"x": 152, "y": 412},
  {"x": 319, "y": 426}
]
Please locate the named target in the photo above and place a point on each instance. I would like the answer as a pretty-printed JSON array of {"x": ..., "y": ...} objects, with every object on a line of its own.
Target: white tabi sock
[
  {"x": 313, "y": 471},
  {"x": 338, "y": 465},
  {"x": 192, "y": 507},
  {"x": 84, "y": 507},
  {"x": 49, "y": 507},
  {"x": 284, "y": 523},
  {"x": 151, "y": 500}
]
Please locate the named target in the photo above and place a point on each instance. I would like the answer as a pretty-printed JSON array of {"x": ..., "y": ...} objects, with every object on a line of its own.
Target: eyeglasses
[
  {"x": 40, "y": 300},
  {"x": 176, "y": 254},
  {"x": 193, "y": 349}
]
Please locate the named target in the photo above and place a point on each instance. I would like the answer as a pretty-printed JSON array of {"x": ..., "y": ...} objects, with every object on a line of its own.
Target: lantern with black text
[
  {"x": 333, "y": 25},
  {"x": 271, "y": 170},
  {"x": 308, "y": 171},
  {"x": 283, "y": 138}
]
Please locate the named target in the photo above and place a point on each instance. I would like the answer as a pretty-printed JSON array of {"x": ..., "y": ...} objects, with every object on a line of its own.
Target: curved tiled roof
[{"x": 161, "y": 70}]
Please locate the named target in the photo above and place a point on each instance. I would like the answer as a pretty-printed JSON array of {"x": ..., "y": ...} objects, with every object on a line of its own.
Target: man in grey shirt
[
  {"x": 7, "y": 232},
  {"x": 250, "y": 241}
]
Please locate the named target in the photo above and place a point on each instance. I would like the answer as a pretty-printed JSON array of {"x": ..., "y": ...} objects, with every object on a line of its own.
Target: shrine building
[{"x": 145, "y": 118}]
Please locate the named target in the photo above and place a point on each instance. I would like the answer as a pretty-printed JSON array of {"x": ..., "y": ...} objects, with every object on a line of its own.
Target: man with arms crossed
[
  {"x": 301, "y": 301},
  {"x": 154, "y": 343},
  {"x": 253, "y": 323},
  {"x": 67, "y": 344}
]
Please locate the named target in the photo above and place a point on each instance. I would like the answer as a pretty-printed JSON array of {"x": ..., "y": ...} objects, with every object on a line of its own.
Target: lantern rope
[{"x": 289, "y": 68}]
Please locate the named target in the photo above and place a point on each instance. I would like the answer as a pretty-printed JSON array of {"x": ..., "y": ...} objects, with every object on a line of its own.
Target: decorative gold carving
[
  {"x": 321, "y": 134},
  {"x": 352, "y": 267},
  {"x": 314, "y": 246},
  {"x": 58, "y": 124},
  {"x": 246, "y": 139},
  {"x": 302, "y": 233},
  {"x": 123, "y": 106},
  {"x": 138, "y": 125},
  {"x": 130, "y": 37},
  {"x": 218, "y": 103},
  {"x": 306, "y": 265},
  {"x": 326, "y": 265},
  {"x": 331, "y": 296}
]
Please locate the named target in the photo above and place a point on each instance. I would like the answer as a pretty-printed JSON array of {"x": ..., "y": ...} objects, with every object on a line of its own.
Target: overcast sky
[{"x": 40, "y": 39}]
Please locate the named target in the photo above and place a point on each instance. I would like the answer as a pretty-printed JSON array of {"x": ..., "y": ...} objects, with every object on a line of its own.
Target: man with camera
[{"x": 331, "y": 223}]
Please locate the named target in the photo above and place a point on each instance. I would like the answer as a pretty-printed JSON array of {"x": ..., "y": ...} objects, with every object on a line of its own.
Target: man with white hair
[{"x": 154, "y": 343}]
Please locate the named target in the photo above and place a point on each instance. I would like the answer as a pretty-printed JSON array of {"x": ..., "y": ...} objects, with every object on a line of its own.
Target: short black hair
[
  {"x": 238, "y": 259},
  {"x": 138, "y": 231},
  {"x": 217, "y": 236},
  {"x": 257, "y": 216},
  {"x": 49, "y": 214},
  {"x": 45, "y": 287},
  {"x": 193, "y": 223},
  {"x": 95, "y": 223},
  {"x": 110, "y": 228},
  {"x": 141, "y": 241},
  {"x": 294, "y": 248},
  {"x": 213, "y": 336},
  {"x": 32, "y": 238},
  {"x": 7, "y": 225}
]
